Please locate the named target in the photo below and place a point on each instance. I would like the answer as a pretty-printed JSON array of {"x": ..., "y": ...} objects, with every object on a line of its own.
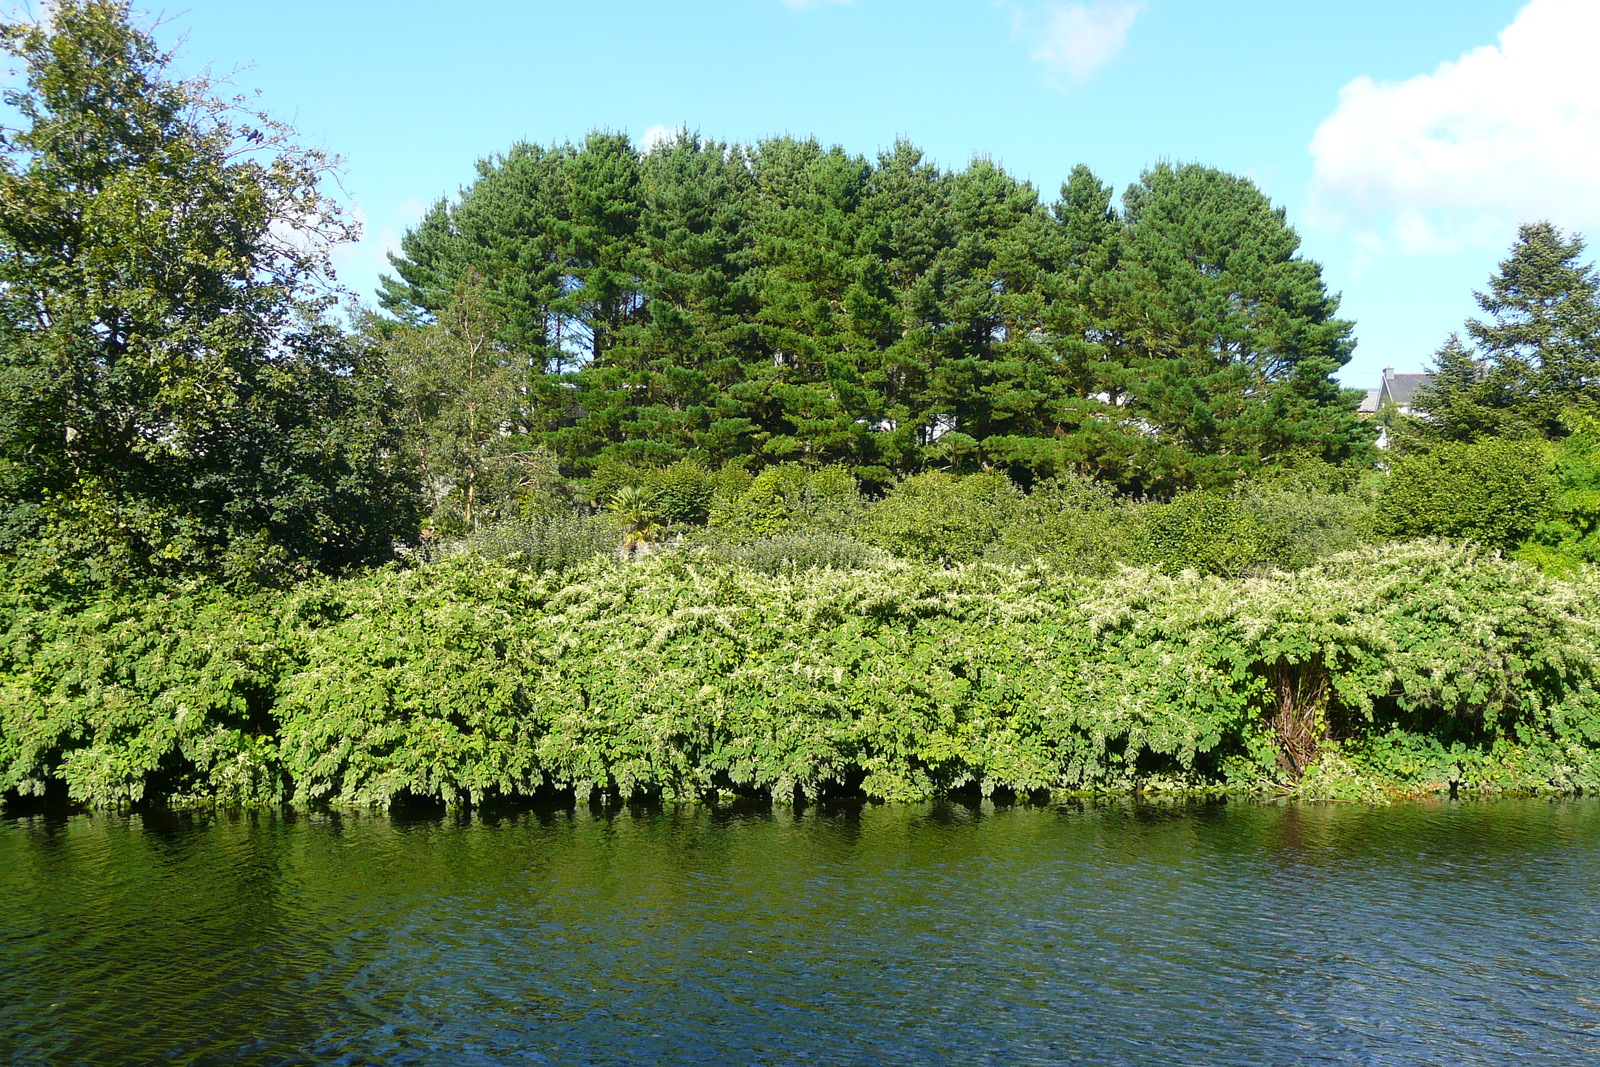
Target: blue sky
[{"x": 1406, "y": 138}]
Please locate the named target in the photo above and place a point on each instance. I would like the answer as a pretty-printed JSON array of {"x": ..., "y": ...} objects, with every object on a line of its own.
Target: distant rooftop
[{"x": 1401, "y": 388}]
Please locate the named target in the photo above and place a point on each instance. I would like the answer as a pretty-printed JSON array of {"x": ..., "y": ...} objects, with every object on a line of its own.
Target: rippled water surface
[{"x": 1206, "y": 934}]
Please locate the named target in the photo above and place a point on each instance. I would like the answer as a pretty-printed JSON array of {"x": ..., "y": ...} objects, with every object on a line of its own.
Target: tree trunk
[{"x": 1298, "y": 714}]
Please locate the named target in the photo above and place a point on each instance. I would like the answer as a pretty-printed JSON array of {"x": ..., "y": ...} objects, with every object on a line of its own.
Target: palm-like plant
[{"x": 636, "y": 510}]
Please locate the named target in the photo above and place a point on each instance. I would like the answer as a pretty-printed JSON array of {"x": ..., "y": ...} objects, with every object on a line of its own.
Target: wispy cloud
[
  {"x": 1075, "y": 41},
  {"x": 1506, "y": 133},
  {"x": 659, "y": 136},
  {"x": 359, "y": 264}
]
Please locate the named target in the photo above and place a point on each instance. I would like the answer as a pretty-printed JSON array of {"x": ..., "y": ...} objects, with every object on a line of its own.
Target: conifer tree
[
  {"x": 663, "y": 391},
  {"x": 1537, "y": 353},
  {"x": 1222, "y": 341}
]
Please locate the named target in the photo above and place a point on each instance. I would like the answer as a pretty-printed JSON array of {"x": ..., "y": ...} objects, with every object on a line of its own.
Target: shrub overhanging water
[{"x": 1406, "y": 668}]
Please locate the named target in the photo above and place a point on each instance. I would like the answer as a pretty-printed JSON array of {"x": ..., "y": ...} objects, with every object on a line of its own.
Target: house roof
[
  {"x": 1369, "y": 403},
  {"x": 1401, "y": 388}
]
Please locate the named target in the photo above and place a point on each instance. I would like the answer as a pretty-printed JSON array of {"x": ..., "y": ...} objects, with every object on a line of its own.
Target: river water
[{"x": 1206, "y": 933}]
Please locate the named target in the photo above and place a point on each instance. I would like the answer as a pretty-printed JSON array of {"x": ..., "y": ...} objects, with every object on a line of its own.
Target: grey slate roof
[
  {"x": 1401, "y": 388},
  {"x": 1369, "y": 403}
]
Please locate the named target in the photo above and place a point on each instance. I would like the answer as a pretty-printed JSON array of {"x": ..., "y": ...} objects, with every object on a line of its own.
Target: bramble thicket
[{"x": 748, "y": 470}]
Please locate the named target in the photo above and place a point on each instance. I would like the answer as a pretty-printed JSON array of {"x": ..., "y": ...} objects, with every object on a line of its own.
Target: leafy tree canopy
[
  {"x": 788, "y": 302},
  {"x": 172, "y": 400}
]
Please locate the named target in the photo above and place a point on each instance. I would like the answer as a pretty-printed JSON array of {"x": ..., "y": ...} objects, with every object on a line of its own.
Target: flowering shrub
[{"x": 1415, "y": 667}]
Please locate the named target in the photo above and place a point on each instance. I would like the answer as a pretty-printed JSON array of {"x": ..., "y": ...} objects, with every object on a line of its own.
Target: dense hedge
[{"x": 1416, "y": 667}]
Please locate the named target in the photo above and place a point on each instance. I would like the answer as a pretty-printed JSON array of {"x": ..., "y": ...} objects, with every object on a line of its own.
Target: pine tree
[
  {"x": 597, "y": 232},
  {"x": 1540, "y": 342},
  {"x": 1458, "y": 404},
  {"x": 662, "y": 392},
  {"x": 1221, "y": 341},
  {"x": 1537, "y": 357}
]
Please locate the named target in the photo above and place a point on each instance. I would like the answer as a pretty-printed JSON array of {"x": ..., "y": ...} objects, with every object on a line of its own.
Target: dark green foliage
[
  {"x": 1538, "y": 349},
  {"x": 1209, "y": 344},
  {"x": 787, "y": 302},
  {"x": 1495, "y": 492},
  {"x": 683, "y": 492},
  {"x": 1458, "y": 405},
  {"x": 171, "y": 401},
  {"x": 1570, "y": 537}
]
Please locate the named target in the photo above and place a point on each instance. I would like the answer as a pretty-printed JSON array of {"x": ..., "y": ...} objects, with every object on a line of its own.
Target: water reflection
[{"x": 941, "y": 933}]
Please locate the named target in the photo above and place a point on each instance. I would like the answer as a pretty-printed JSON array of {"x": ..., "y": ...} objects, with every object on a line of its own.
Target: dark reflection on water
[{"x": 941, "y": 934}]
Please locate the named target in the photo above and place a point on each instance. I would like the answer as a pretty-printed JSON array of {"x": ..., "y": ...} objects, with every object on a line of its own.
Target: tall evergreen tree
[
  {"x": 1543, "y": 324},
  {"x": 797, "y": 302},
  {"x": 820, "y": 303},
  {"x": 505, "y": 233},
  {"x": 1220, "y": 341},
  {"x": 1077, "y": 252},
  {"x": 663, "y": 390},
  {"x": 1537, "y": 354},
  {"x": 1455, "y": 405},
  {"x": 598, "y": 241}
]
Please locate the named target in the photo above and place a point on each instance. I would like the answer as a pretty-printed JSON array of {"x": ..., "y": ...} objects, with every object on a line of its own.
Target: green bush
[
  {"x": 164, "y": 697},
  {"x": 1494, "y": 491},
  {"x": 1414, "y": 668},
  {"x": 556, "y": 541},
  {"x": 1209, "y": 532},
  {"x": 1570, "y": 536},
  {"x": 683, "y": 492},
  {"x": 947, "y": 518},
  {"x": 1072, "y": 523},
  {"x": 789, "y": 496},
  {"x": 1302, "y": 524},
  {"x": 797, "y": 551}
]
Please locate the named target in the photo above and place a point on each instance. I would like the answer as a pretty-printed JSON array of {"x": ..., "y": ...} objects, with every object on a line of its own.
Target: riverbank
[{"x": 1400, "y": 670}]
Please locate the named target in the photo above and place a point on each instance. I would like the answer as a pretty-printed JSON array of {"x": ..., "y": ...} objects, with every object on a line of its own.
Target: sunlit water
[{"x": 942, "y": 934}]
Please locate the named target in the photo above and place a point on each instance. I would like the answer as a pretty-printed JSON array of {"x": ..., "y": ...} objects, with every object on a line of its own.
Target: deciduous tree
[{"x": 172, "y": 398}]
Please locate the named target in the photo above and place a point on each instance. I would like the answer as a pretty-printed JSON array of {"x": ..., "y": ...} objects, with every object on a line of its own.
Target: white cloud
[
  {"x": 1075, "y": 41},
  {"x": 358, "y": 264},
  {"x": 807, "y": 5},
  {"x": 657, "y": 136},
  {"x": 1507, "y": 133}
]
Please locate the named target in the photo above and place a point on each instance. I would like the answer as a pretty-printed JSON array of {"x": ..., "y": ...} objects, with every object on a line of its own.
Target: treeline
[
  {"x": 784, "y": 301},
  {"x": 176, "y": 399},
  {"x": 721, "y": 468}
]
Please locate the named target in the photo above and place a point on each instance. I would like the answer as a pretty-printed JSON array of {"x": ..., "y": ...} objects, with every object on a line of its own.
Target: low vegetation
[{"x": 1414, "y": 668}]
